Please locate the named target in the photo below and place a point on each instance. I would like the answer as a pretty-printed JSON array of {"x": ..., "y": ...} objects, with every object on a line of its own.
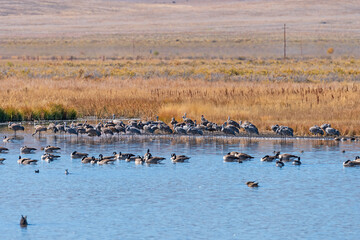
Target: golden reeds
[{"x": 263, "y": 102}]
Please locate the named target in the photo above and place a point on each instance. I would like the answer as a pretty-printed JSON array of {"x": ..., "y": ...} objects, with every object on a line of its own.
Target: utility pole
[
  {"x": 284, "y": 41},
  {"x": 133, "y": 47}
]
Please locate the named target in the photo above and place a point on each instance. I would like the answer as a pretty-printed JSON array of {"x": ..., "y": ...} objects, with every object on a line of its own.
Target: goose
[
  {"x": 26, "y": 161},
  {"x": 26, "y": 149},
  {"x": 231, "y": 158},
  {"x": 132, "y": 158},
  {"x": 252, "y": 184},
  {"x": 3, "y": 149},
  {"x": 15, "y": 127},
  {"x": 23, "y": 221},
  {"x": 87, "y": 159},
  {"x": 268, "y": 158},
  {"x": 179, "y": 158},
  {"x": 76, "y": 154},
  {"x": 296, "y": 162},
  {"x": 241, "y": 156},
  {"x": 153, "y": 160},
  {"x": 2, "y": 160},
  {"x": 122, "y": 156},
  {"x": 285, "y": 157},
  {"x": 279, "y": 163},
  {"x": 101, "y": 157},
  {"x": 105, "y": 161},
  {"x": 8, "y": 139},
  {"x": 139, "y": 160},
  {"x": 349, "y": 163},
  {"x": 39, "y": 129},
  {"x": 67, "y": 172},
  {"x": 37, "y": 171},
  {"x": 50, "y": 149},
  {"x": 49, "y": 155}
]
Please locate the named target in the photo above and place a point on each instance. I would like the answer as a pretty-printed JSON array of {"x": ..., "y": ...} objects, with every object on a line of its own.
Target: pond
[{"x": 203, "y": 199}]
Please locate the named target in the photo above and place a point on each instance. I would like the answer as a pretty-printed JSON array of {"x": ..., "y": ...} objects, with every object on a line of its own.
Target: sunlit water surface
[{"x": 203, "y": 199}]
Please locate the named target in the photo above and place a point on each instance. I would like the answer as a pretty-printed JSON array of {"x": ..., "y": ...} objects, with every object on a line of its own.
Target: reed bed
[{"x": 299, "y": 104}]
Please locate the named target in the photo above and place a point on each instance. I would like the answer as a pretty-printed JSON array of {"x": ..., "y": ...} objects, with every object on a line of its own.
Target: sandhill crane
[
  {"x": 16, "y": 127},
  {"x": 316, "y": 130},
  {"x": 332, "y": 131},
  {"x": 187, "y": 120},
  {"x": 39, "y": 129}
]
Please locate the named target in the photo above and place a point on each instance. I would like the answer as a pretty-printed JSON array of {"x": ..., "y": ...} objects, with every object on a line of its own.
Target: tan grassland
[{"x": 265, "y": 92}]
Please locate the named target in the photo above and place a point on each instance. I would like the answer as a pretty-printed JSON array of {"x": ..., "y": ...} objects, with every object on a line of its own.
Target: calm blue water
[{"x": 203, "y": 199}]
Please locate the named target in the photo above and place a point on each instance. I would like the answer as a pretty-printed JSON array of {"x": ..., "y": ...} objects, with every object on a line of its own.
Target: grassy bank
[
  {"x": 50, "y": 112},
  {"x": 298, "y": 93}
]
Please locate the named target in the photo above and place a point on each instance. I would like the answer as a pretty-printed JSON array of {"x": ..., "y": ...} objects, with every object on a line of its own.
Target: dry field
[
  {"x": 217, "y": 58},
  {"x": 186, "y": 28}
]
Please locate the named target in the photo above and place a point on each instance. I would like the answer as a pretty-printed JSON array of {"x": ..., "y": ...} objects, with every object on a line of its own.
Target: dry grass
[{"x": 263, "y": 102}]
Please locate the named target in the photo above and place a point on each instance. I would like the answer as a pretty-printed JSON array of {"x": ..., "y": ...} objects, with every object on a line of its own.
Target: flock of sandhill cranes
[{"x": 186, "y": 127}]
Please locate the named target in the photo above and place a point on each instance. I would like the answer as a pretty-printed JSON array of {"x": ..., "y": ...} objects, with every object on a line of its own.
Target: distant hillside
[{"x": 178, "y": 27}]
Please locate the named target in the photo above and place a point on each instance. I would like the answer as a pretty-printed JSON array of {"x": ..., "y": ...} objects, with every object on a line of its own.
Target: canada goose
[
  {"x": 50, "y": 149},
  {"x": 26, "y": 161},
  {"x": 23, "y": 221},
  {"x": 15, "y": 127},
  {"x": 3, "y": 149},
  {"x": 279, "y": 163},
  {"x": 296, "y": 162},
  {"x": 8, "y": 139},
  {"x": 66, "y": 172},
  {"x": 357, "y": 159},
  {"x": 349, "y": 163},
  {"x": 268, "y": 158},
  {"x": 26, "y": 149},
  {"x": 179, "y": 158},
  {"x": 2, "y": 160},
  {"x": 101, "y": 157},
  {"x": 37, "y": 171},
  {"x": 103, "y": 161},
  {"x": 87, "y": 159},
  {"x": 241, "y": 156},
  {"x": 252, "y": 184},
  {"x": 39, "y": 129},
  {"x": 139, "y": 160},
  {"x": 76, "y": 154},
  {"x": 231, "y": 158},
  {"x": 132, "y": 158},
  {"x": 153, "y": 160},
  {"x": 122, "y": 156},
  {"x": 48, "y": 155},
  {"x": 285, "y": 157}
]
